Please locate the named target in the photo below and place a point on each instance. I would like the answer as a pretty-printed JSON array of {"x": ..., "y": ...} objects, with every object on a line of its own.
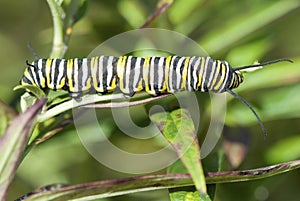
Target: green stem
[
  {"x": 88, "y": 101},
  {"x": 110, "y": 188},
  {"x": 58, "y": 47}
]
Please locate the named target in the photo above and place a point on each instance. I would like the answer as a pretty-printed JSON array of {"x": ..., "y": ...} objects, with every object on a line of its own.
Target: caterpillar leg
[
  {"x": 76, "y": 95},
  {"x": 128, "y": 95}
]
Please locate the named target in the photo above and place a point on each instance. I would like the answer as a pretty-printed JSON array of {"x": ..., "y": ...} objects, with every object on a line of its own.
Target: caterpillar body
[{"x": 155, "y": 75}]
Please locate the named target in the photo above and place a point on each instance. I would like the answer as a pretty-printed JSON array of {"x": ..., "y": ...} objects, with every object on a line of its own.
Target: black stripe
[
  {"x": 31, "y": 72},
  {"x": 51, "y": 69},
  {"x": 89, "y": 73},
  {"x": 132, "y": 73},
  {"x": 43, "y": 69},
  {"x": 181, "y": 69},
  {"x": 174, "y": 74},
  {"x": 141, "y": 71},
  {"x": 192, "y": 69},
  {"x": 156, "y": 75},
  {"x": 36, "y": 71},
  {"x": 66, "y": 86},
  {"x": 56, "y": 72},
  {"x": 105, "y": 73},
  {"x": 114, "y": 75},
  {"x": 208, "y": 73},
  {"x": 80, "y": 75},
  {"x": 149, "y": 74},
  {"x": 26, "y": 80},
  {"x": 230, "y": 78}
]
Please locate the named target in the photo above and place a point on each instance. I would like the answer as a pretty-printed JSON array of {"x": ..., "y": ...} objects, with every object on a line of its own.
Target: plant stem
[
  {"x": 58, "y": 47},
  {"x": 110, "y": 188}
]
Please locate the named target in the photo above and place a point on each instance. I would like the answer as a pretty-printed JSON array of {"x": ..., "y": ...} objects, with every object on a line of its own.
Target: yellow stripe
[
  {"x": 168, "y": 63},
  {"x": 69, "y": 74},
  {"x": 202, "y": 66},
  {"x": 47, "y": 71},
  {"x": 221, "y": 79},
  {"x": 88, "y": 84},
  {"x": 61, "y": 84},
  {"x": 27, "y": 75},
  {"x": 43, "y": 82},
  {"x": 140, "y": 83},
  {"x": 146, "y": 74},
  {"x": 214, "y": 80},
  {"x": 113, "y": 83},
  {"x": 184, "y": 72},
  {"x": 94, "y": 66},
  {"x": 120, "y": 70}
]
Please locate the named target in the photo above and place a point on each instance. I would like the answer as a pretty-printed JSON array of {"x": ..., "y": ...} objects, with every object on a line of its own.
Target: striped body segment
[{"x": 155, "y": 75}]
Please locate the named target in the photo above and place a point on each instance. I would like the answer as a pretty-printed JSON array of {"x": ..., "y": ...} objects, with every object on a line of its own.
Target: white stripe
[
  {"x": 195, "y": 75},
  {"x": 188, "y": 80},
  {"x": 40, "y": 70},
  {"x": 52, "y": 76},
  {"x": 34, "y": 76},
  {"x": 100, "y": 73},
  {"x": 179, "y": 75},
  {"x": 151, "y": 75},
  {"x": 110, "y": 74},
  {"x": 137, "y": 73},
  {"x": 60, "y": 72},
  {"x": 170, "y": 75},
  {"x": 85, "y": 75},
  {"x": 75, "y": 75},
  {"x": 127, "y": 75},
  {"x": 161, "y": 73},
  {"x": 204, "y": 74}
]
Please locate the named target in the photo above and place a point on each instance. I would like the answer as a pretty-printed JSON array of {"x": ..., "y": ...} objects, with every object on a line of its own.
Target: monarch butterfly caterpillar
[{"x": 155, "y": 75}]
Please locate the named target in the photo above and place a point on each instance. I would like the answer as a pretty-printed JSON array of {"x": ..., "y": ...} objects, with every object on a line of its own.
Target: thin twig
[
  {"x": 110, "y": 188},
  {"x": 160, "y": 10}
]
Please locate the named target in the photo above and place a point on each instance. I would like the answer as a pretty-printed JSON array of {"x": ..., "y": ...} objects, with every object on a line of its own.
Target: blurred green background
[{"x": 240, "y": 32}]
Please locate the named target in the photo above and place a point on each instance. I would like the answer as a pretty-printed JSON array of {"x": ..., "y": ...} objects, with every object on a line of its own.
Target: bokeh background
[{"x": 241, "y": 32}]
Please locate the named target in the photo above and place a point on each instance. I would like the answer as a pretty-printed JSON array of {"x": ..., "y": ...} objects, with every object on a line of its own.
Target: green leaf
[
  {"x": 180, "y": 10},
  {"x": 284, "y": 150},
  {"x": 27, "y": 99},
  {"x": 243, "y": 26},
  {"x": 13, "y": 143},
  {"x": 177, "y": 167},
  {"x": 273, "y": 105},
  {"x": 178, "y": 128},
  {"x": 136, "y": 16},
  {"x": 249, "y": 53},
  {"x": 36, "y": 91}
]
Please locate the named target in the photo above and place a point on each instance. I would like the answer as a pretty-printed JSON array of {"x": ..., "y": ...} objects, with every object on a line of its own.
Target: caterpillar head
[
  {"x": 33, "y": 76},
  {"x": 237, "y": 79}
]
